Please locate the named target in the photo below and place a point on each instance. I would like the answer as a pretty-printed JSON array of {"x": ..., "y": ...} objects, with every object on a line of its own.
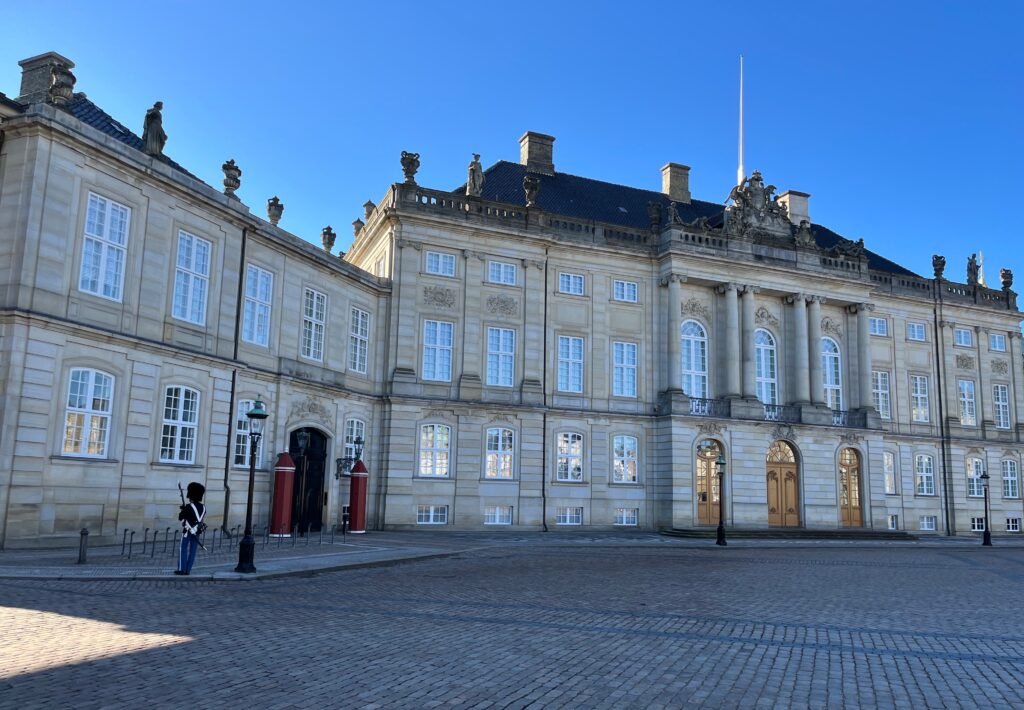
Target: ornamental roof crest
[{"x": 755, "y": 210}]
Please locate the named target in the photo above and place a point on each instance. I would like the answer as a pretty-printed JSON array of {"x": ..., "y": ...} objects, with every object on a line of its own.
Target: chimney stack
[
  {"x": 37, "y": 76},
  {"x": 675, "y": 182},
  {"x": 536, "y": 152},
  {"x": 796, "y": 206}
]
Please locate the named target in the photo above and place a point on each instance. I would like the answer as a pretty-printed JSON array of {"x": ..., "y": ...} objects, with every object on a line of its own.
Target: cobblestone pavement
[{"x": 514, "y": 625}]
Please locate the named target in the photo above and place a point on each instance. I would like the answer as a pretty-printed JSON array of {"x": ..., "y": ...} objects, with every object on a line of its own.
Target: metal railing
[
  {"x": 844, "y": 417},
  {"x": 703, "y": 407},
  {"x": 782, "y": 413}
]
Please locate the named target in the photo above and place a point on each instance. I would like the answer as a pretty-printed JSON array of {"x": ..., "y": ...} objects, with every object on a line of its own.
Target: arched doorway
[
  {"x": 783, "y": 486},
  {"x": 707, "y": 489},
  {"x": 849, "y": 489},
  {"x": 308, "y": 499}
]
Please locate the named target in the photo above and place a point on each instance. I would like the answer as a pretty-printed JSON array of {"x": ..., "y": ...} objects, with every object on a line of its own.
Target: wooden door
[
  {"x": 849, "y": 489},
  {"x": 707, "y": 485},
  {"x": 310, "y": 465},
  {"x": 783, "y": 482}
]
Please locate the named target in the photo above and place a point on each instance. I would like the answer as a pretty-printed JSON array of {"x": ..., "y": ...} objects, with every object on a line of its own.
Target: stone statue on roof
[
  {"x": 153, "y": 136},
  {"x": 972, "y": 270},
  {"x": 475, "y": 179}
]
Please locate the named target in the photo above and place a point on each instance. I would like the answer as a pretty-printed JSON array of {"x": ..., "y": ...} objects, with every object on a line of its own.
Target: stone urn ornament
[
  {"x": 327, "y": 237},
  {"x": 357, "y": 226},
  {"x": 410, "y": 164},
  {"x": 939, "y": 265},
  {"x": 1006, "y": 277},
  {"x": 62, "y": 85},
  {"x": 232, "y": 173},
  {"x": 275, "y": 208}
]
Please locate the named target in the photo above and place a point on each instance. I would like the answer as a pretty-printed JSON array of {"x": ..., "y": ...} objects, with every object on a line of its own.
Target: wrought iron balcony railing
[
  {"x": 781, "y": 413},
  {"x": 702, "y": 407}
]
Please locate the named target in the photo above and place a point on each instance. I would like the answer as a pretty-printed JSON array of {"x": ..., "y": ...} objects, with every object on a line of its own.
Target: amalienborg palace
[{"x": 529, "y": 350}]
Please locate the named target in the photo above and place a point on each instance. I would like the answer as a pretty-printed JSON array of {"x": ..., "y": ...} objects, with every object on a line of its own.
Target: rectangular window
[
  {"x": 87, "y": 416},
  {"x": 435, "y": 448},
  {"x": 624, "y": 374},
  {"x": 105, "y": 248},
  {"x": 570, "y": 283},
  {"x": 191, "y": 278},
  {"x": 358, "y": 340},
  {"x": 915, "y": 331},
  {"x": 437, "y": 350},
  {"x": 500, "y": 453},
  {"x": 1001, "y": 405},
  {"x": 570, "y": 364},
  {"x": 919, "y": 398},
  {"x": 1011, "y": 479},
  {"x": 570, "y": 457},
  {"x": 497, "y": 515},
  {"x": 977, "y": 524},
  {"x": 879, "y": 326},
  {"x": 968, "y": 415},
  {"x": 997, "y": 343},
  {"x": 894, "y": 522},
  {"x": 963, "y": 337},
  {"x": 624, "y": 459},
  {"x": 354, "y": 429},
  {"x": 259, "y": 290},
  {"x": 569, "y": 515},
  {"x": 499, "y": 272},
  {"x": 431, "y": 514},
  {"x": 1013, "y": 525},
  {"x": 501, "y": 355},
  {"x": 241, "y": 456},
  {"x": 440, "y": 264},
  {"x": 880, "y": 393},
  {"x": 624, "y": 291},
  {"x": 975, "y": 484},
  {"x": 627, "y": 516},
  {"x": 889, "y": 469},
  {"x": 927, "y": 522},
  {"x": 181, "y": 417},
  {"x": 314, "y": 318},
  {"x": 925, "y": 470}
]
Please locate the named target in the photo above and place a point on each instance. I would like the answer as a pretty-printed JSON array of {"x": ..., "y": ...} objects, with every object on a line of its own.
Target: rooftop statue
[
  {"x": 475, "y": 180},
  {"x": 153, "y": 136},
  {"x": 972, "y": 270},
  {"x": 756, "y": 210}
]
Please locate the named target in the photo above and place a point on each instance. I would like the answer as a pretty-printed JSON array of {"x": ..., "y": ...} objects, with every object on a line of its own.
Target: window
[
  {"x": 570, "y": 364},
  {"x": 105, "y": 247},
  {"x": 567, "y": 515},
  {"x": 191, "y": 278},
  {"x": 570, "y": 283},
  {"x": 1001, "y": 405},
  {"x": 570, "y": 457},
  {"x": 962, "y": 336},
  {"x": 437, "y": 350},
  {"x": 314, "y": 316},
  {"x": 879, "y": 326},
  {"x": 889, "y": 469},
  {"x": 354, "y": 429},
  {"x": 241, "y": 457},
  {"x": 968, "y": 415},
  {"x": 925, "y": 469},
  {"x": 894, "y": 522},
  {"x": 1011, "y": 481},
  {"x": 181, "y": 415},
  {"x": 259, "y": 289},
  {"x": 624, "y": 374},
  {"x": 627, "y": 516},
  {"x": 624, "y": 291},
  {"x": 498, "y": 272},
  {"x": 500, "y": 453},
  {"x": 440, "y": 264},
  {"x": 358, "y": 340},
  {"x": 87, "y": 416},
  {"x": 694, "y": 351},
  {"x": 431, "y": 514},
  {"x": 977, "y": 524},
  {"x": 435, "y": 444},
  {"x": 975, "y": 484},
  {"x": 880, "y": 393},
  {"x": 997, "y": 342},
  {"x": 501, "y": 352},
  {"x": 915, "y": 331},
  {"x": 764, "y": 355},
  {"x": 919, "y": 398},
  {"x": 831, "y": 373},
  {"x": 497, "y": 515},
  {"x": 927, "y": 522},
  {"x": 624, "y": 458},
  {"x": 1013, "y": 525}
]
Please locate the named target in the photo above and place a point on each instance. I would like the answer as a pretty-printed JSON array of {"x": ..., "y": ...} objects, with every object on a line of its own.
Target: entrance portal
[
  {"x": 849, "y": 489},
  {"x": 708, "y": 495},
  {"x": 308, "y": 499},
  {"x": 783, "y": 486}
]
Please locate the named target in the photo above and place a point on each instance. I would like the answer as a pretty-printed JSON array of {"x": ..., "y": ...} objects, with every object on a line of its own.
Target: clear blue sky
[{"x": 902, "y": 119}]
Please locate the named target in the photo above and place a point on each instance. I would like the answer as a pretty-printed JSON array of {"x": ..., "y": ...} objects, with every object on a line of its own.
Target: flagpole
[{"x": 740, "y": 174}]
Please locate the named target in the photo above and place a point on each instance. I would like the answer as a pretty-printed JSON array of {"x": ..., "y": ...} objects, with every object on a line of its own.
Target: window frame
[
  {"x": 501, "y": 363},
  {"x": 433, "y": 514},
  {"x": 191, "y": 276},
  {"x": 693, "y": 359},
  {"x": 1013, "y": 525},
  {"x": 880, "y": 393},
  {"x": 620, "y": 517},
  {"x": 994, "y": 338},
  {"x": 963, "y": 338},
  {"x": 501, "y": 458},
  {"x": 919, "y": 399},
  {"x": 436, "y": 456},
  {"x": 967, "y": 402},
  {"x": 91, "y": 416},
  {"x": 624, "y": 372},
  {"x": 567, "y": 283},
  {"x": 1001, "y": 405},
  {"x": 354, "y": 428},
  {"x": 878, "y": 326},
  {"x": 569, "y": 448},
  {"x": 242, "y": 439},
  {"x": 924, "y": 477},
  {"x": 503, "y": 268},
  {"x": 975, "y": 484},
  {"x": 912, "y": 327},
  {"x": 358, "y": 339},
  {"x": 180, "y": 426},
  {"x": 977, "y": 523},
  {"x": 495, "y": 513},
  {"x": 892, "y": 486},
  {"x": 624, "y": 297},
  {"x": 255, "y": 307},
  {"x": 1011, "y": 479},
  {"x": 766, "y": 357},
  {"x": 569, "y": 515},
  {"x": 928, "y": 523},
  {"x": 439, "y": 368},
  {"x": 314, "y": 329},
  {"x": 570, "y": 366},
  {"x": 108, "y": 248},
  {"x": 439, "y": 266},
  {"x": 628, "y": 459},
  {"x": 833, "y": 390}
]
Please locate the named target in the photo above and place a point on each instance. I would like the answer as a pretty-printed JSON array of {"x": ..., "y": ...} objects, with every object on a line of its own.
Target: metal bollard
[
  {"x": 124, "y": 539},
  {"x": 152, "y": 551},
  {"x": 131, "y": 541},
  {"x": 321, "y": 533},
  {"x": 167, "y": 537},
  {"x": 266, "y": 536},
  {"x": 83, "y": 543},
  {"x": 145, "y": 537},
  {"x": 295, "y": 533}
]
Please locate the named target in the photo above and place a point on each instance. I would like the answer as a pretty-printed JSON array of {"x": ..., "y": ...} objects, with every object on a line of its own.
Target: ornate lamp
[{"x": 247, "y": 548}]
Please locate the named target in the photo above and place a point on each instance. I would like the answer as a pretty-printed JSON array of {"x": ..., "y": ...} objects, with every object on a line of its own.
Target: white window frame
[
  {"x": 1013, "y": 525},
  {"x": 766, "y": 367},
  {"x": 892, "y": 487},
  {"x": 965, "y": 397},
  {"x": 104, "y": 248},
  {"x": 431, "y": 514},
  {"x": 894, "y": 521},
  {"x": 355, "y": 428},
  {"x": 259, "y": 295},
  {"x": 87, "y": 414},
  {"x": 977, "y": 523},
  {"x": 191, "y": 278},
  {"x": 625, "y": 459},
  {"x": 627, "y": 517},
  {"x": 963, "y": 338},
  {"x": 501, "y": 357},
  {"x": 570, "y": 363},
  {"x": 997, "y": 342},
  {"x": 879, "y": 326},
  {"x": 502, "y": 272},
  {"x": 975, "y": 484},
  {"x": 832, "y": 373},
  {"x": 314, "y": 324},
  {"x": 569, "y": 457},
  {"x": 569, "y": 515},
  {"x": 1001, "y": 405},
  {"x": 438, "y": 337},
  {"x": 240, "y": 458},
  {"x": 440, "y": 264},
  {"x": 916, "y": 332},
  {"x": 624, "y": 364},
  {"x": 570, "y": 283},
  {"x": 435, "y": 445},
  {"x": 358, "y": 340},
  {"x": 880, "y": 393},
  {"x": 924, "y": 475},
  {"x": 1011, "y": 478},
  {"x": 693, "y": 351},
  {"x": 497, "y": 515},
  {"x": 919, "y": 405},
  {"x": 500, "y": 458},
  {"x": 625, "y": 291},
  {"x": 928, "y": 523},
  {"x": 179, "y": 431}
]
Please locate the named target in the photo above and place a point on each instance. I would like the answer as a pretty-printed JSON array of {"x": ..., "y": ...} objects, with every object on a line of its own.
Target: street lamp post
[
  {"x": 986, "y": 535},
  {"x": 247, "y": 548},
  {"x": 720, "y": 465}
]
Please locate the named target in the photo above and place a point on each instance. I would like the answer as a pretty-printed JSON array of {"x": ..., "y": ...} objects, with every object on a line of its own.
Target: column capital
[
  {"x": 946, "y": 324},
  {"x": 981, "y": 329},
  {"x": 527, "y": 263},
  {"x": 1014, "y": 335},
  {"x": 752, "y": 290},
  {"x": 402, "y": 243},
  {"x": 672, "y": 278},
  {"x": 820, "y": 300},
  {"x": 861, "y": 307},
  {"x": 794, "y": 298},
  {"x": 468, "y": 253},
  {"x": 729, "y": 286}
]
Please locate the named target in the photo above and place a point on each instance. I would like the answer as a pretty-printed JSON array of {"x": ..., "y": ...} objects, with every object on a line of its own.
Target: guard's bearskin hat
[{"x": 196, "y": 491}]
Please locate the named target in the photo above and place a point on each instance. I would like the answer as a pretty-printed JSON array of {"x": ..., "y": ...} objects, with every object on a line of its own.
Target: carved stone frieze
[
  {"x": 755, "y": 211},
  {"x": 831, "y": 326},
  {"x": 448, "y": 414},
  {"x": 693, "y": 307},
  {"x": 764, "y": 317},
  {"x": 851, "y": 438},
  {"x": 438, "y": 296},
  {"x": 1000, "y": 367},
  {"x": 965, "y": 362},
  {"x": 310, "y": 408},
  {"x": 783, "y": 431},
  {"x": 709, "y": 429},
  {"x": 502, "y": 305}
]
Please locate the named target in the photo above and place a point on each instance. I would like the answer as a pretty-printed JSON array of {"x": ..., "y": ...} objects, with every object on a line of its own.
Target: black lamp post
[
  {"x": 345, "y": 463},
  {"x": 986, "y": 535},
  {"x": 247, "y": 548},
  {"x": 720, "y": 466}
]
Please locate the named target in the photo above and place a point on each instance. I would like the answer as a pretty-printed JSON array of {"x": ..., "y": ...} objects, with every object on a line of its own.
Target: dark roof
[
  {"x": 584, "y": 198},
  {"x": 8, "y": 101}
]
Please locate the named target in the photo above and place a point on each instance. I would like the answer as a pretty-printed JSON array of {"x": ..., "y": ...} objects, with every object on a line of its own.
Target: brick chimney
[
  {"x": 675, "y": 182},
  {"x": 36, "y": 76},
  {"x": 796, "y": 205},
  {"x": 536, "y": 152}
]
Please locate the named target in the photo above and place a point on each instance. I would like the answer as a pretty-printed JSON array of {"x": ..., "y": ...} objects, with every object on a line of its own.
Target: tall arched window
[
  {"x": 694, "y": 351},
  {"x": 831, "y": 373},
  {"x": 767, "y": 379}
]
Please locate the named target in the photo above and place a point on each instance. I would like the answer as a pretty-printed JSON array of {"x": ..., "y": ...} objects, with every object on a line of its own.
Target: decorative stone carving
[
  {"x": 783, "y": 431},
  {"x": 1000, "y": 367},
  {"x": 965, "y": 362},
  {"x": 531, "y": 186},
  {"x": 972, "y": 270},
  {"x": 673, "y": 215},
  {"x": 502, "y": 419},
  {"x": 848, "y": 248},
  {"x": 327, "y": 237},
  {"x": 153, "y": 136},
  {"x": 275, "y": 208},
  {"x": 357, "y": 226},
  {"x": 310, "y": 408},
  {"x": 654, "y": 215},
  {"x": 709, "y": 429},
  {"x": 939, "y": 265},
  {"x": 850, "y": 438},
  {"x": 62, "y": 84},
  {"x": 764, "y": 317},
  {"x": 502, "y": 305},
  {"x": 755, "y": 210},
  {"x": 804, "y": 236},
  {"x": 232, "y": 173},
  {"x": 831, "y": 326},
  {"x": 410, "y": 164},
  {"x": 368, "y": 208},
  {"x": 700, "y": 224},
  {"x": 1006, "y": 277},
  {"x": 440, "y": 414},
  {"x": 475, "y": 179},
  {"x": 693, "y": 307},
  {"x": 438, "y": 296}
]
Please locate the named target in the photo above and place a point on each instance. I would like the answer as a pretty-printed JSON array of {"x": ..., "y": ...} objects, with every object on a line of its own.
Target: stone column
[
  {"x": 731, "y": 361},
  {"x": 473, "y": 366},
  {"x": 814, "y": 350},
  {"x": 675, "y": 381},
  {"x": 802, "y": 383},
  {"x": 749, "y": 364},
  {"x": 864, "y": 352}
]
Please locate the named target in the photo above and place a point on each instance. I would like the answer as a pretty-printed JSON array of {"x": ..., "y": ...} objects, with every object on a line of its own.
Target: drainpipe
[{"x": 940, "y": 390}]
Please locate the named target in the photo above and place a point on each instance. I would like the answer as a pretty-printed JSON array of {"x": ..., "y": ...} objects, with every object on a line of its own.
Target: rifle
[{"x": 181, "y": 492}]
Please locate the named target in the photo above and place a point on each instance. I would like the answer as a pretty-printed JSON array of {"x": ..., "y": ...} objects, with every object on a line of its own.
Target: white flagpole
[{"x": 740, "y": 175}]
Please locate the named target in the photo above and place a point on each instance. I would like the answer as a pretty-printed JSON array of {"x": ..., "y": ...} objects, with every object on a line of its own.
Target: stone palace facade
[{"x": 530, "y": 350}]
